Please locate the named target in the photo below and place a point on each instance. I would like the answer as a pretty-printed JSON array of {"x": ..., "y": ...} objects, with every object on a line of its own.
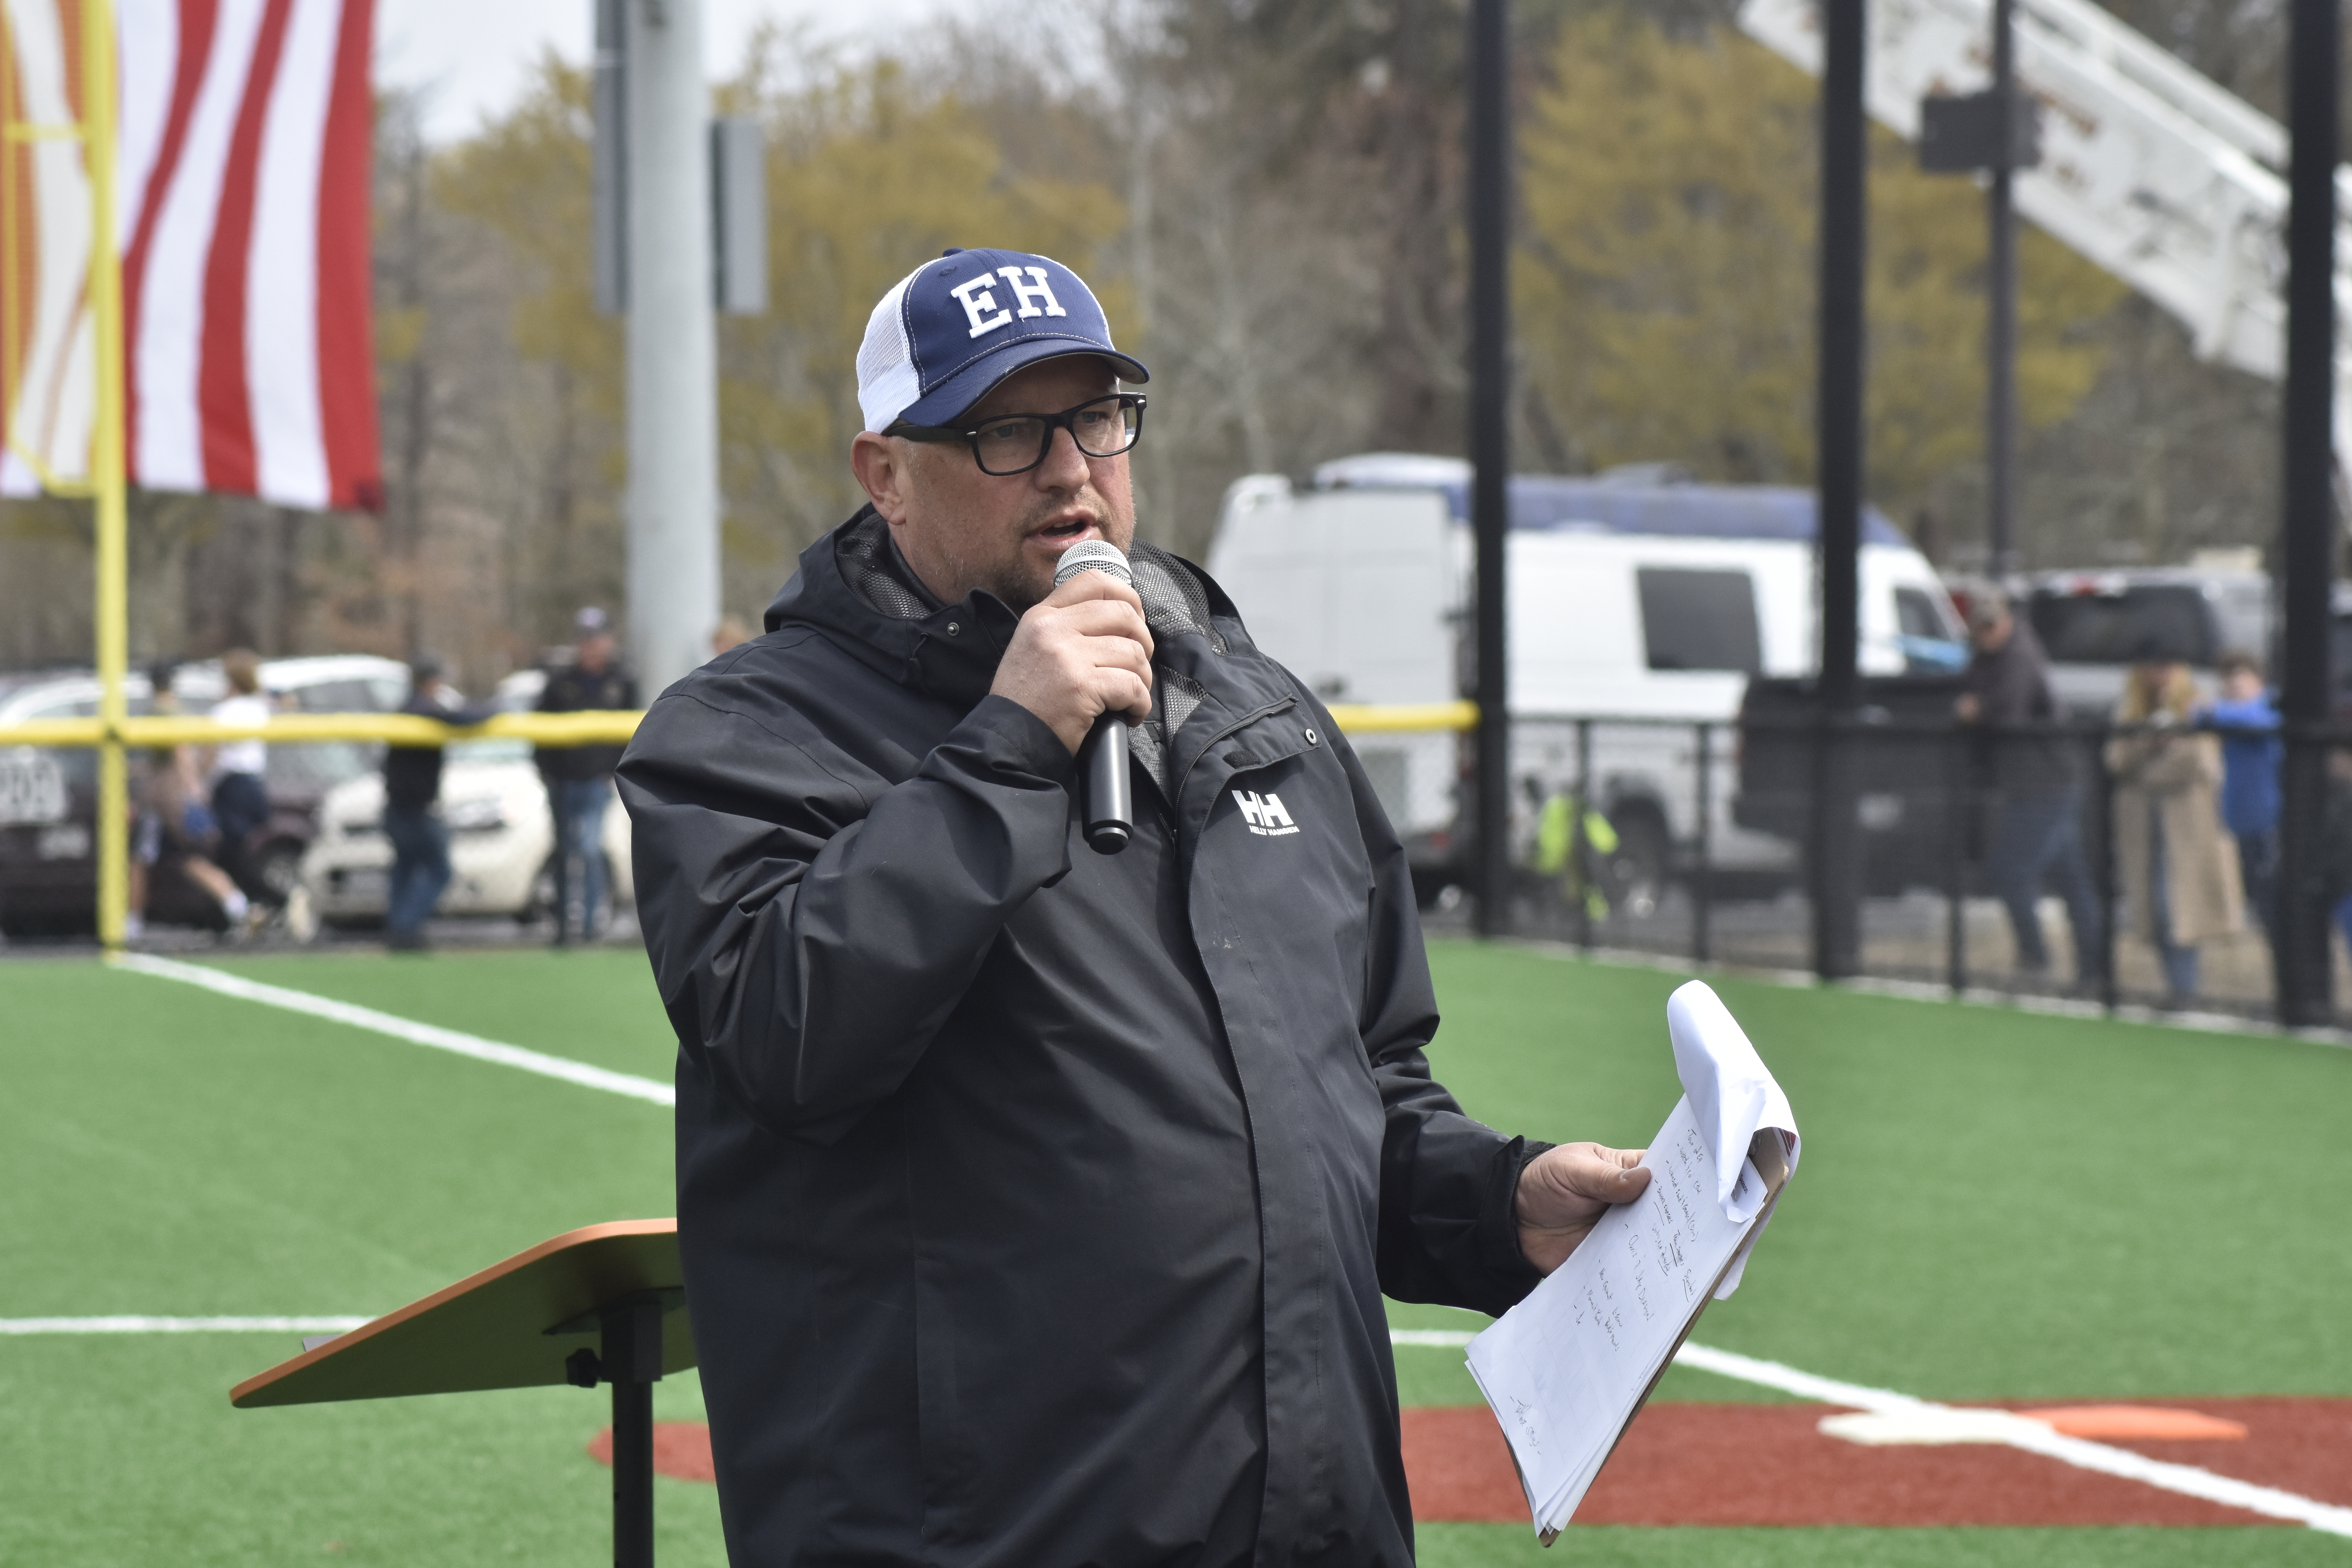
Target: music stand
[{"x": 519, "y": 1324}]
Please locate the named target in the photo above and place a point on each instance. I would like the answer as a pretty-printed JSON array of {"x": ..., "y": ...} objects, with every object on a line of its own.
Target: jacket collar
[{"x": 852, "y": 587}]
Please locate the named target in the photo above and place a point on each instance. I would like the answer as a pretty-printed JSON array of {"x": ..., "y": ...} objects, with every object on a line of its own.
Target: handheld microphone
[{"x": 1109, "y": 799}]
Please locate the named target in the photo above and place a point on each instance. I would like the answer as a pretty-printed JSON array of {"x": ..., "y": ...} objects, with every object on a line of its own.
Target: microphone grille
[{"x": 1093, "y": 555}]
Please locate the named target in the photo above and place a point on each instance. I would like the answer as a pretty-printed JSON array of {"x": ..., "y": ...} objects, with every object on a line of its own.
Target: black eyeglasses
[{"x": 1016, "y": 442}]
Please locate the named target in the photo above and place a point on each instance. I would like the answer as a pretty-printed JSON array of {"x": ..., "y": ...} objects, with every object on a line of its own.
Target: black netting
[
  {"x": 873, "y": 570},
  {"x": 1173, "y": 600}
]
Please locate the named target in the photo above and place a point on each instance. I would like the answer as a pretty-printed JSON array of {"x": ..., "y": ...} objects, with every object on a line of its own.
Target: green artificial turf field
[{"x": 1992, "y": 1204}]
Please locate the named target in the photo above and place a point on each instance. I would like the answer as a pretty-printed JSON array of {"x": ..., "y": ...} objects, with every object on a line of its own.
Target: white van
[{"x": 1630, "y": 599}]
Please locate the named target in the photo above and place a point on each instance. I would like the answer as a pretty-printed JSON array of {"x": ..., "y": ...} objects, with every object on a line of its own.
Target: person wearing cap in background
[
  {"x": 1036, "y": 1205},
  {"x": 2037, "y": 831},
  {"x": 580, "y": 778},
  {"x": 412, "y": 806}
]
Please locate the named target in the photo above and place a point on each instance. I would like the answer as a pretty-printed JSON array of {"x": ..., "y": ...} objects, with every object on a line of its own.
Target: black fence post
[
  {"x": 1702, "y": 890},
  {"x": 1579, "y": 876},
  {"x": 2299, "y": 947},
  {"x": 1489, "y": 445},
  {"x": 1836, "y": 880},
  {"x": 1959, "y": 805},
  {"x": 2103, "y": 867}
]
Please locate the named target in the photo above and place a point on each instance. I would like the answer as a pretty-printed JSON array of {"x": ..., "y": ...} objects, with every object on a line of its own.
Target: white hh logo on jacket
[{"x": 1264, "y": 814}]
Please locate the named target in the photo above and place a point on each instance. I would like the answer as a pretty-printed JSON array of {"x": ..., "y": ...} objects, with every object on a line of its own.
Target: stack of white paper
[{"x": 1567, "y": 1368}]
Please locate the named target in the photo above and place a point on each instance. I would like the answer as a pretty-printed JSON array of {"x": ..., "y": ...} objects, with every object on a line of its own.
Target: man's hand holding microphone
[{"x": 1081, "y": 661}]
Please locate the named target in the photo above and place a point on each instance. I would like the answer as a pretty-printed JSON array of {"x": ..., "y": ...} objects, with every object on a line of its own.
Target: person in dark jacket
[
  {"x": 1036, "y": 1205},
  {"x": 412, "y": 808},
  {"x": 580, "y": 778},
  {"x": 2037, "y": 789}
]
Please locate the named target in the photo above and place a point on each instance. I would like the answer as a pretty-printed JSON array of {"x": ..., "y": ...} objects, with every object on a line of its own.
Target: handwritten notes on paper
[{"x": 1567, "y": 1368}]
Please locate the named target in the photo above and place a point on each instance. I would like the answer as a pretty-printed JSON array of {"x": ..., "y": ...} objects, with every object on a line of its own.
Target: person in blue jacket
[{"x": 2251, "y": 751}]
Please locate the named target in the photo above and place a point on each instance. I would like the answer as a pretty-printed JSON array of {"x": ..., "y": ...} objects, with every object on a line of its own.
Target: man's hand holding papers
[
  {"x": 1564, "y": 1191},
  {"x": 1626, "y": 1276}
]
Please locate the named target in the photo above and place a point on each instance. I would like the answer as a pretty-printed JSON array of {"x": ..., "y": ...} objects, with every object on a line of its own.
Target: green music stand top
[{"x": 515, "y": 1324}]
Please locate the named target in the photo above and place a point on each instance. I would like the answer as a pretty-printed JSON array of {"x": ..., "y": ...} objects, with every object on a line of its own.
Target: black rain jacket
[{"x": 1036, "y": 1204}]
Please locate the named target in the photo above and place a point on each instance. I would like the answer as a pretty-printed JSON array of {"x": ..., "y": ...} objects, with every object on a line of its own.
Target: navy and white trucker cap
[{"x": 953, "y": 327}]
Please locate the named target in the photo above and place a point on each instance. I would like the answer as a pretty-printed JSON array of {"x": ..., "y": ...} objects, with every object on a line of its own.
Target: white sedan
[{"x": 501, "y": 841}]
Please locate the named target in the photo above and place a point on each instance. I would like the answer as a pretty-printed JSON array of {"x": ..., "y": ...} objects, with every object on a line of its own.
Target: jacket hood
[{"x": 853, "y": 588}]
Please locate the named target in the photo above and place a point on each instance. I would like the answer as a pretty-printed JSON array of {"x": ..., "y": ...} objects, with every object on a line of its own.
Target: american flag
[{"x": 242, "y": 221}]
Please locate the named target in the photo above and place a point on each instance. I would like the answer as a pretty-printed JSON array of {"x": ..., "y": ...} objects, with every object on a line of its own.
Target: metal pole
[
  {"x": 1956, "y": 811},
  {"x": 1836, "y": 865},
  {"x": 1489, "y": 442},
  {"x": 1702, "y": 889},
  {"x": 107, "y": 480},
  {"x": 673, "y": 495},
  {"x": 2300, "y": 947},
  {"x": 1579, "y": 842},
  {"x": 632, "y": 1364},
  {"x": 2000, "y": 291},
  {"x": 2103, "y": 867}
]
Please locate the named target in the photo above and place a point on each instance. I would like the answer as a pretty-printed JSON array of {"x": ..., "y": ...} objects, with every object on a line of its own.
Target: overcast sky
[{"x": 472, "y": 54}]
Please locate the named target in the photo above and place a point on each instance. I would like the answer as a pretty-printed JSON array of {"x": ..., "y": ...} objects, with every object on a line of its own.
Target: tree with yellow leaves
[{"x": 1667, "y": 292}]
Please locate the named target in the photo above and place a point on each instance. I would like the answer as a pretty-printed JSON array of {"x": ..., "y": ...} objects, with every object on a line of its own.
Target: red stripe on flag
[
  {"x": 224, "y": 400},
  {"x": 347, "y": 412},
  {"x": 196, "y": 22}
]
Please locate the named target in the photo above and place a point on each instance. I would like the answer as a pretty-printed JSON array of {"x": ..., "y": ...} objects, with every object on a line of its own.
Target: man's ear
[{"x": 880, "y": 470}]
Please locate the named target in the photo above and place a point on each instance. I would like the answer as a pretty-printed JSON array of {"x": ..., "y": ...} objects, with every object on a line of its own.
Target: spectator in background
[
  {"x": 173, "y": 827},
  {"x": 412, "y": 808},
  {"x": 2249, "y": 779},
  {"x": 2037, "y": 829},
  {"x": 580, "y": 778},
  {"x": 240, "y": 798},
  {"x": 2180, "y": 870}
]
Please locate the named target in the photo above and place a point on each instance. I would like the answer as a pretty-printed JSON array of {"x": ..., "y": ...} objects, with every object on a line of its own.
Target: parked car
[
  {"x": 1631, "y": 598},
  {"x": 49, "y": 795},
  {"x": 501, "y": 835}
]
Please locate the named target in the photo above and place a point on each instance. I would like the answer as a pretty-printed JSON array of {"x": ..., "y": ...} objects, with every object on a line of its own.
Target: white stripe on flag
[
  {"x": 50, "y": 410},
  {"x": 281, "y": 313},
  {"x": 168, "y": 359},
  {"x": 146, "y": 55}
]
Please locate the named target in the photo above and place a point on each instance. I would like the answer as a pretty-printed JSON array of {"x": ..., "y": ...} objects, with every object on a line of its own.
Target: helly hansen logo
[
  {"x": 1264, "y": 814},
  {"x": 977, "y": 298}
]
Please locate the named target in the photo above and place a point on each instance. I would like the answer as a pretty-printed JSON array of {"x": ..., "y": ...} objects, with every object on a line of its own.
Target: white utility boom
[{"x": 2149, "y": 170}]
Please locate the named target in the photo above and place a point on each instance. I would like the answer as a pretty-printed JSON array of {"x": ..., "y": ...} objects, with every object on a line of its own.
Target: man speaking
[{"x": 1036, "y": 1202}]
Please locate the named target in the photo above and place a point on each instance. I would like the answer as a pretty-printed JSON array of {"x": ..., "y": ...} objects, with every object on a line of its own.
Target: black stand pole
[
  {"x": 631, "y": 1363},
  {"x": 1489, "y": 443},
  {"x": 1835, "y": 843},
  {"x": 2000, "y": 327},
  {"x": 633, "y": 1358},
  {"x": 2300, "y": 946}
]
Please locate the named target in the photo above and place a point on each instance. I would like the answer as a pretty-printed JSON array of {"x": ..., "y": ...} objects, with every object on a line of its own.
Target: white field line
[
  {"x": 399, "y": 1029},
  {"x": 2030, "y": 1435},
  {"x": 133, "y": 1325},
  {"x": 2081, "y": 1453},
  {"x": 1923, "y": 991}
]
